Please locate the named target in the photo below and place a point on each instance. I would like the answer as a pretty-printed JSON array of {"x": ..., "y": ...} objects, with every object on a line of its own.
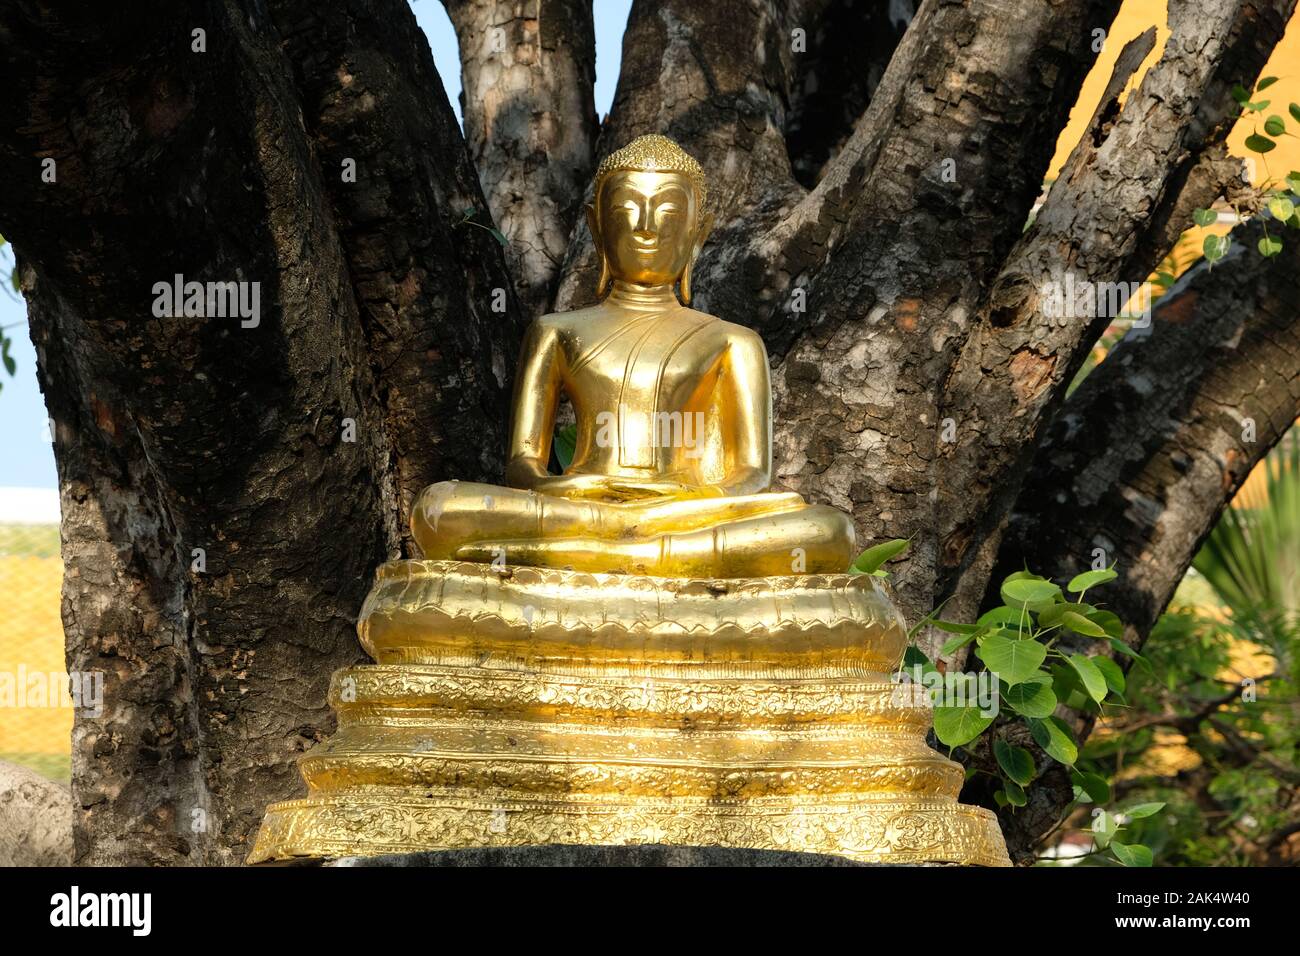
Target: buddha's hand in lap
[{"x": 616, "y": 489}]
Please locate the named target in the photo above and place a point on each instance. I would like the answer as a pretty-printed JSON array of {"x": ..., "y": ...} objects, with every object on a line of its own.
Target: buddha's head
[{"x": 647, "y": 216}]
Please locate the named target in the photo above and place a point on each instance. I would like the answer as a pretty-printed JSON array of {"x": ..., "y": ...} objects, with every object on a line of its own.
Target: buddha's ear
[
  {"x": 593, "y": 223},
  {"x": 701, "y": 234}
]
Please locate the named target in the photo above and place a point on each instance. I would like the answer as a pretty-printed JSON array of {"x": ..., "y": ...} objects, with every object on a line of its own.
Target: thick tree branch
[
  {"x": 1024, "y": 352},
  {"x": 896, "y": 246},
  {"x": 1147, "y": 452},
  {"x": 1153, "y": 444},
  {"x": 849, "y": 45},
  {"x": 528, "y": 70},
  {"x": 685, "y": 74},
  {"x": 441, "y": 325}
]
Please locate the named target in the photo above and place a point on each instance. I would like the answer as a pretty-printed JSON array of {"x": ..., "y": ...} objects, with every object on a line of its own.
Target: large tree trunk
[
  {"x": 228, "y": 490},
  {"x": 228, "y": 487},
  {"x": 530, "y": 122}
]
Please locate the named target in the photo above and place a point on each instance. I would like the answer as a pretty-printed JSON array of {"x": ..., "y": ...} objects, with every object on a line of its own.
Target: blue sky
[{"x": 26, "y": 458}]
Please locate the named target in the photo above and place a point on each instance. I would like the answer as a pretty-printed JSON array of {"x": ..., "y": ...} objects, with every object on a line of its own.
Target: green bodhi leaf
[
  {"x": 1109, "y": 622},
  {"x": 1269, "y": 245},
  {"x": 999, "y": 615},
  {"x": 1055, "y": 738},
  {"x": 1216, "y": 247},
  {"x": 1104, "y": 827},
  {"x": 1014, "y": 661},
  {"x": 871, "y": 560},
  {"x": 1094, "y": 682},
  {"x": 1275, "y": 126},
  {"x": 1021, "y": 589},
  {"x": 1015, "y": 794},
  {"x": 955, "y": 726},
  {"x": 566, "y": 440},
  {"x": 1094, "y": 785},
  {"x": 1259, "y": 144},
  {"x": 1134, "y": 854},
  {"x": 1031, "y": 698},
  {"x": 1090, "y": 579},
  {"x": 1052, "y": 617},
  {"x": 1202, "y": 217},
  {"x": 915, "y": 657},
  {"x": 1016, "y": 762},
  {"x": 1081, "y": 625},
  {"x": 1111, "y": 671}
]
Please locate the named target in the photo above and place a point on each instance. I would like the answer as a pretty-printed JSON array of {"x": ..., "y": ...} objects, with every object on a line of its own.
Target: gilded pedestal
[{"x": 521, "y": 706}]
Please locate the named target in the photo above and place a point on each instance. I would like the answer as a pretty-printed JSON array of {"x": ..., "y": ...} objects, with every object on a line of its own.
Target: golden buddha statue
[
  {"x": 651, "y": 648},
  {"x": 673, "y": 460}
]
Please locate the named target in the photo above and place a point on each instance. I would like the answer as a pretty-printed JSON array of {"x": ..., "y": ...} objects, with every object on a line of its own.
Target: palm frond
[{"x": 1252, "y": 557}]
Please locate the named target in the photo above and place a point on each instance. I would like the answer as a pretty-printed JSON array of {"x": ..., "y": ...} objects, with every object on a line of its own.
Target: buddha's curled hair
[{"x": 654, "y": 153}]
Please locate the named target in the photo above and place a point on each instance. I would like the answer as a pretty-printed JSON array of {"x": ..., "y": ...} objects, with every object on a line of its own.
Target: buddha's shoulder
[
  {"x": 560, "y": 322},
  {"x": 729, "y": 331},
  {"x": 561, "y": 325},
  {"x": 740, "y": 335}
]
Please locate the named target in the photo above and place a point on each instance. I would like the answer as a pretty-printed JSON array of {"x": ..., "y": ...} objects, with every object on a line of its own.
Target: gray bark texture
[{"x": 228, "y": 489}]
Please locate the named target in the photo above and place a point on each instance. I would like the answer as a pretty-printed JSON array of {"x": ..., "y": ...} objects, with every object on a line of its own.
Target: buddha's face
[{"x": 647, "y": 225}]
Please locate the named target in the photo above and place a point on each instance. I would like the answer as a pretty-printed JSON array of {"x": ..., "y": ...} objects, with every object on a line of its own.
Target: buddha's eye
[{"x": 667, "y": 207}]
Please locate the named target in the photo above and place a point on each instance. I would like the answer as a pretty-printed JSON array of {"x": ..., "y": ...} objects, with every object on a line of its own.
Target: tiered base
[
  {"x": 538, "y": 715},
  {"x": 367, "y": 824}
]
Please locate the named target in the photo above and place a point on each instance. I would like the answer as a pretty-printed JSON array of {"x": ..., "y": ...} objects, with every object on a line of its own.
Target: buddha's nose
[{"x": 646, "y": 227}]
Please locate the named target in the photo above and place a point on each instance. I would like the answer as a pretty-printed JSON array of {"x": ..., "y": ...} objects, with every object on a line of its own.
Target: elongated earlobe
[
  {"x": 706, "y": 226},
  {"x": 594, "y": 225}
]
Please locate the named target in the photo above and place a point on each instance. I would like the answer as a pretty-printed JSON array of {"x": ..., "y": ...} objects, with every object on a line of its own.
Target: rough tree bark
[
  {"x": 530, "y": 121},
  {"x": 1144, "y": 455},
  {"x": 845, "y": 47},
  {"x": 876, "y": 240},
  {"x": 283, "y": 451}
]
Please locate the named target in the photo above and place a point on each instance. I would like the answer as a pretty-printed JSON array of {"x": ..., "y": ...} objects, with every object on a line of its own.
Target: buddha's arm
[
  {"x": 536, "y": 397},
  {"x": 745, "y": 400}
]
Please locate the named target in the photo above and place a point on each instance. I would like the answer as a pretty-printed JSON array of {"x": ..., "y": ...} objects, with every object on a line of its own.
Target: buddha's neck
[{"x": 629, "y": 295}]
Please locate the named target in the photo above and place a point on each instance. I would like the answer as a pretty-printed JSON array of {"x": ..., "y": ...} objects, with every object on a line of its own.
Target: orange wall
[{"x": 1134, "y": 17}]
